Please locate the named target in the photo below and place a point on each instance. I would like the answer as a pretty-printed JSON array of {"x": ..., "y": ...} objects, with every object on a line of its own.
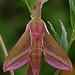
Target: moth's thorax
[
  {"x": 37, "y": 34},
  {"x": 36, "y": 31}
]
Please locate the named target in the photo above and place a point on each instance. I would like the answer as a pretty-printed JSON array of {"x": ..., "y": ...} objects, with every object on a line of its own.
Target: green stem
[
  {"x": 69, "y": 45},
  {"x": 57, "y": 72},
  {"x": 5, "y": 51}
]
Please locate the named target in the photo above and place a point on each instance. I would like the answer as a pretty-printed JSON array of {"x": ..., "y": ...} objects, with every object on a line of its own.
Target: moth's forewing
[
  {"x": 18, "y": 56},
  {"x": 54, "y": 54}
]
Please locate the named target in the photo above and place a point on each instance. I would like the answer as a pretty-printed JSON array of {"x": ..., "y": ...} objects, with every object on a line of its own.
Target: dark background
[{"x": 14, "y": 16}]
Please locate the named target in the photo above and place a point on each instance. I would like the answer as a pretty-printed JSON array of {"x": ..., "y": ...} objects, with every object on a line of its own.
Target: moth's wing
[
  {"x": 54, "y": 54},
  {"x": 19, "y": 54}
]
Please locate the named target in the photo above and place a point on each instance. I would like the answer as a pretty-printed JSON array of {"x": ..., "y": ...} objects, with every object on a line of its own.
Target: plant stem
[
  {"x": 12, "y": 72},
  {"x": 69, "y": 45},
  {"x": 5, "y": 51},
  {"x": 57, "y": 72},
  {"x": 3, "y": 47},
  {"x": 38, "y": 7}
]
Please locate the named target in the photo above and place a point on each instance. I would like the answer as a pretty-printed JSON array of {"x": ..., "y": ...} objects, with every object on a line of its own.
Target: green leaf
[
  {"x": 44, "y": 1},
  {"x": 64, "y": 42},
  {"x": 55, "y": 34},
  {"x": 30, "y": 4},
  {"x": 72, "y": 15}
]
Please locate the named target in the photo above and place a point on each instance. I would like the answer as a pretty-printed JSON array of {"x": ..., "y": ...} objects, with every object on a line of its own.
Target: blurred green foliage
[{"x": 14, "y": 16}]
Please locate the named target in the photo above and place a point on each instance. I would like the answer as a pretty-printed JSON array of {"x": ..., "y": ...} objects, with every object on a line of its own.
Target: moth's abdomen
[{"x": 36, "y": 57}]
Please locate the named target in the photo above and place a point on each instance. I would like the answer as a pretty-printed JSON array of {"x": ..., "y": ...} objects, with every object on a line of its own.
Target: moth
[{"x": 36, "y": 42}]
